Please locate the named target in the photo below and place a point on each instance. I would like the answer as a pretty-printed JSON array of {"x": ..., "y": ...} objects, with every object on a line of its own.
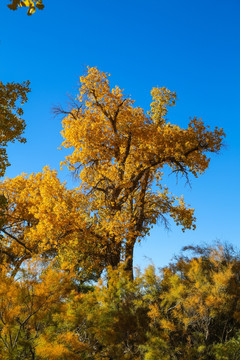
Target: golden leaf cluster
[{"x": 30, "y": 4}]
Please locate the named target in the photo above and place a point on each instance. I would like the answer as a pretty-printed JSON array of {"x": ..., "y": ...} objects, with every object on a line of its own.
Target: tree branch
[{"x": 16, "y": 239}]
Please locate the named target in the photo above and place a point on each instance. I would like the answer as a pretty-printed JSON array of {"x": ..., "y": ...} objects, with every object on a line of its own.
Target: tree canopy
[{"x": 119, "y": 154}]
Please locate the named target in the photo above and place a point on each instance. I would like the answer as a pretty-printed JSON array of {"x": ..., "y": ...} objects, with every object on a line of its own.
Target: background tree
[
  {"x": 28, "y": 305},
  {"x": 195, "y": 313},
  {"x": 12, "y": 97}
]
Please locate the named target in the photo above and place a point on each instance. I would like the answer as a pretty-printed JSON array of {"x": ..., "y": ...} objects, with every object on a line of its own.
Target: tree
[
  {"x": 43, "y": 217},
  {"x": 108, "y": 322},
  {"x": 195, "y": 312},
  {"x": 32, "y": 5},
  {"x": 28, "y": 306},
  {"x": 119, "y": 154},
  {"x": 11, "y": 123}
]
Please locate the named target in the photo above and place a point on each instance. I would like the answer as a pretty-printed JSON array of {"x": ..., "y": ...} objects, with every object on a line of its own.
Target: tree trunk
[
  {"x": 129, "y": 259},
  {"x": 114, "y": 254}
]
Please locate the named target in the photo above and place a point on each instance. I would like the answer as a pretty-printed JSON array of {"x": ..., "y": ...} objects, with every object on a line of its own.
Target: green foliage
[
  {"x": 197, "y": 306},
  {"x": 228, "y": 350},
  {"x": 12, "y": 97},
  {"x": 110, "y": 321}
]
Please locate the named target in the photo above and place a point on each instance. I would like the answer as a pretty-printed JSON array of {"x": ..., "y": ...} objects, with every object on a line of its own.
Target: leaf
[
  {"x": 39, "y": 5},
  {"x": 31, "y": 10},
  {"x": 14, "y": 5}
]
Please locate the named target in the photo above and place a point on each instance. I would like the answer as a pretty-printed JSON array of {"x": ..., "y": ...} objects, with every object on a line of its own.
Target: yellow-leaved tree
[
  {"x": 28, "y": 306},
  {"x": 119, "y": 154},
  {"x": 43, "y": 217}
]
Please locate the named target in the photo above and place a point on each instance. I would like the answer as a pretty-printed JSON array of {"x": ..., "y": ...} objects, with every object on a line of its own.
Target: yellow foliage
[
  {"x": 119, "y": 152},
  {"x": 50, "y": 350},
  {"x": 30, "y": 4}
]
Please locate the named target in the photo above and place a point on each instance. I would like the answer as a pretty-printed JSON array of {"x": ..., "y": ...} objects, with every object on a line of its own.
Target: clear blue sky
[{"x": 192, "y": 47}]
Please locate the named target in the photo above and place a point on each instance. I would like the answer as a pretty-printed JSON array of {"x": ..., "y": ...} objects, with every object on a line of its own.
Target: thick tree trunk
[{"x": 114, "y": 254}]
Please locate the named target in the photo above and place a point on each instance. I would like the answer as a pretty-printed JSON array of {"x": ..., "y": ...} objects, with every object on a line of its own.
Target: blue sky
[{"x": 191, "y": 47}]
